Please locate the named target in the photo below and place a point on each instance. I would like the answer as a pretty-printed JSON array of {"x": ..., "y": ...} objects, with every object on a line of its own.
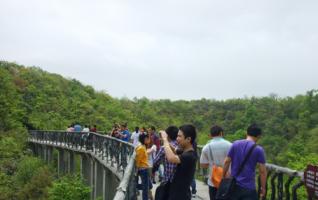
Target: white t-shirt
[
  {"x": 151, "y": 155},
  {"x": 214, "y": 153},
  {"x": 85, "y": 129},
  {"x": 135, "y": 138}
]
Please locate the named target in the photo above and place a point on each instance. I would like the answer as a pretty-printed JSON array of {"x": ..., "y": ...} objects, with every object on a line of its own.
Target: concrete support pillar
[
  {"x": 106, "y": 184},
  {"x": 61, "y": 162},
  {"x": 110, "y": 185},
  {"x": 87, "y": 171},
  {"x": 40, "y": 149},
  {"x": 32, "y": 147},
  {"x": 71, "y": 162},
  {"x": 35, "y": 149},
  {"x": 93, "y": 186},
  {"x": 99, "y": 174},
  {"x": 114, "y": 184},
  {"x": 45, "y": 156},
  {"x": 49, "y": 154}
]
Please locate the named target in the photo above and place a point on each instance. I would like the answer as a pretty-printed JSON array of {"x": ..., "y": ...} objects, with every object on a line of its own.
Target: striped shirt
[{"x": 169, "y": 168}]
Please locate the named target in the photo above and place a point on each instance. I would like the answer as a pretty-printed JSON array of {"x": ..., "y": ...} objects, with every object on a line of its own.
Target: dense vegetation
[{"x": 31, "y": 98}]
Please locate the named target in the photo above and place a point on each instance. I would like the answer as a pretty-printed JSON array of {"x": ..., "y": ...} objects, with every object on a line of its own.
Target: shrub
[{"x": 69, "y": 187}]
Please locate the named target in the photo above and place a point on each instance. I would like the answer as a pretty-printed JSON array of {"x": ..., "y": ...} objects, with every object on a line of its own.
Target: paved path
[{"x": 202, "y": 191}]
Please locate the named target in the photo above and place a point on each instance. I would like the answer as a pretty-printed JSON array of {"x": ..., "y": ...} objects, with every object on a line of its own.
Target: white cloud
[{"x": 168, "y": 49}]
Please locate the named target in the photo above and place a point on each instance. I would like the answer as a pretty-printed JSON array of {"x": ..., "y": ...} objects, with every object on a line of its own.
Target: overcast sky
[{"x": 168, "y": 49}]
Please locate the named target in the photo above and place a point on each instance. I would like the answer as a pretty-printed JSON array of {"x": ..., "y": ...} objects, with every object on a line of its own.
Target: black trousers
[
  {"x": 241, "y": 193},
  {"x": 212, "y": 192}
]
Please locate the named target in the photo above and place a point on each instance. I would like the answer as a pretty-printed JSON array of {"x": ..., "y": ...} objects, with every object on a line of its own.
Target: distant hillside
[{"x": 34, "y": 99}]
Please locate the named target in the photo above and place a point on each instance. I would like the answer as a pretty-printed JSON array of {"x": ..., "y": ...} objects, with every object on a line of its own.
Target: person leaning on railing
[{"x": 142, "y": 165}]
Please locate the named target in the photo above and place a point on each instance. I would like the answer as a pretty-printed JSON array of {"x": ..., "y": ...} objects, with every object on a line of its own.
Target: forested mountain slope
[{"x": 31, "y": 98}]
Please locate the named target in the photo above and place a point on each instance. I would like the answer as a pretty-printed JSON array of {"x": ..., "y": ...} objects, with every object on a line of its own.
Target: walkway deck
[{"x": 202, "y": 191}]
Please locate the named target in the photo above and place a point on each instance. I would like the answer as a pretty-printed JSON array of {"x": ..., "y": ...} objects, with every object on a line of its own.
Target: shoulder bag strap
[
  {"x": 245, "y": 159},
  {"x": 214, "y": 161},
  {"x": 210, "y": 148}
]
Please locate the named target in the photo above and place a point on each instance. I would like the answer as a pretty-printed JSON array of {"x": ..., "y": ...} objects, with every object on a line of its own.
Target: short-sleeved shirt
[
  {"x": 180, "y": 185},
  {"x": 152, "y": 155},
  {"x": 141, "y": 156},
  {"x": 70, "y": 129},
  {"x": 155, "y": 139},
  {"x": 135, "y": 138},
  {"x": 77, "y": 128},
  {"x": 237, "y": 153},
  {"x": 127, "y": 135},
  {"x": 214, "y": 153},
  {"x": 85, "y": 129}
]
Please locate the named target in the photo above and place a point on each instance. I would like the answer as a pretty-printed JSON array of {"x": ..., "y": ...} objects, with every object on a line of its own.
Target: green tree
[
  {"x": 69, "y": 188},
  {"x": 37, "y": 187}
]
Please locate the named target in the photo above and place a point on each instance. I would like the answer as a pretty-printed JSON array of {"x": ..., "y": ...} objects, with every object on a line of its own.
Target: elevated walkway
[{"x": 108, "y": 167}]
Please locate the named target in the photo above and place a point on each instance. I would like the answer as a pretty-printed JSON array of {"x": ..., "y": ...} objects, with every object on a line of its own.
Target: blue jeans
[
  {"x": 145, "y": 183},
  {"x": 193, "y": 186},
  {"x": 241, "y": 193}
]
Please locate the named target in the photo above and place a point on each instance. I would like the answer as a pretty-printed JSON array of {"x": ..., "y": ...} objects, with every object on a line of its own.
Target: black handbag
[
  {"x": 227, "y": 185},
  {"x": 162, "y": 191},
  {"x": 226, "y": 188}
]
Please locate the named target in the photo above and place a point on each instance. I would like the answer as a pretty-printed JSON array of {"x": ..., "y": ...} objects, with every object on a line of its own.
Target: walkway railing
[
  {"x": 282, "y": 183},
  {"x": 279, "y": 181},
  {"x": 115, "y": 154}
]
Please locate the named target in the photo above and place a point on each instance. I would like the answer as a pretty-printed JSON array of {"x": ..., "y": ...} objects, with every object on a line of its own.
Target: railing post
[
  {"x": 273, "y": 186},
  {"x": 287, "y": 184},
  {"x": 61, "y": 162},
  {"x": 280, "y": 184},
  {"x": 295, "y": 187},
  {"x": 266, "y": 186}
]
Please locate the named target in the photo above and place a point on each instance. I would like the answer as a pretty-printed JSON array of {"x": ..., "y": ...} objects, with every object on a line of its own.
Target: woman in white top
[{"x": 151, "y": 151}]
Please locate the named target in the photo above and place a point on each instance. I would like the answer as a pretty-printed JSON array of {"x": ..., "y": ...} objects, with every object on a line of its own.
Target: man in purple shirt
[{"x": 245, "y": 188}]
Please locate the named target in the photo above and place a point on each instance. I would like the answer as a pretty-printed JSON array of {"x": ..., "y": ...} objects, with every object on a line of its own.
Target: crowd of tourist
[
  {"x": 170, "y": 157},
  {"x": 178, "y": 156},
  {"x": 76, "y": 127}
]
